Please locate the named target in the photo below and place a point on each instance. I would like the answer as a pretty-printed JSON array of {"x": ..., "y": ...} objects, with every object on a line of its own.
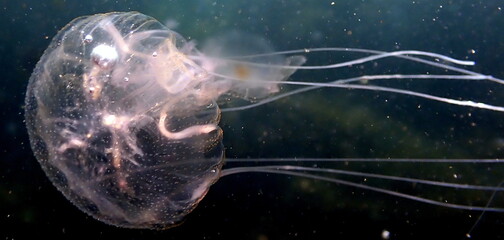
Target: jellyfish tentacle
[
  {"x": 363, "y": 174},
  {"x": 353, "y": 160},
  {"x": 343, "y": 83},
  {"x": 304, "y": 172}
]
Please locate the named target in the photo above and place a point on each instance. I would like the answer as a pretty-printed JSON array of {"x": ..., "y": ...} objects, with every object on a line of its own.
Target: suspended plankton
[{"x": 122, "y": 115}]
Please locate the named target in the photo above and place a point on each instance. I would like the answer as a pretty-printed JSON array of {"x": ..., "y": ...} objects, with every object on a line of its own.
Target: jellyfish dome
[{"x": 118, "y": 121}]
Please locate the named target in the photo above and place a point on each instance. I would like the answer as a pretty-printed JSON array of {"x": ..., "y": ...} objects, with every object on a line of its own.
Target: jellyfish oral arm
[{"x": 185, "y": 133}]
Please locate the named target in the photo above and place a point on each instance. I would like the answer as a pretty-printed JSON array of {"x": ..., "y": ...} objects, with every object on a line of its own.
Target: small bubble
[
  {"x": 154, "y": 54},
  {"x": 126, "y": 79},
  {"x": 104, "y": 56},
  {"x": 88, "y": 38}
]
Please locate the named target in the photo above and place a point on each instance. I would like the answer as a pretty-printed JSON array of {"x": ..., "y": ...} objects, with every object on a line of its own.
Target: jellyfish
[{"x": 123, "y": 115}]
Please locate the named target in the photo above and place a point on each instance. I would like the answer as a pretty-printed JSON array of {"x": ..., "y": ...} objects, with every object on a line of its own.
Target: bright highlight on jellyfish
[{"x": 122, "y": 115}]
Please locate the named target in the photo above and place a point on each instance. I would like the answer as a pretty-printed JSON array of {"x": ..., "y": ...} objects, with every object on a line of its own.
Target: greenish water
[{"x": 327, "y": 123}]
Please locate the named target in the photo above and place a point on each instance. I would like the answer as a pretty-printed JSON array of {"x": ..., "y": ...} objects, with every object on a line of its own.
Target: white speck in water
[{"x": 385, "y": 234}]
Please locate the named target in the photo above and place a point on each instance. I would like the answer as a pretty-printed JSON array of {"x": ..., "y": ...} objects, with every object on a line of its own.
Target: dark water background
[{"x": 325, "y": 123}]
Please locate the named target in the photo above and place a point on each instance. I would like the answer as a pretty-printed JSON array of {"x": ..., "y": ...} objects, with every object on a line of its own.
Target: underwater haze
[{"x": 324, "y": 123}]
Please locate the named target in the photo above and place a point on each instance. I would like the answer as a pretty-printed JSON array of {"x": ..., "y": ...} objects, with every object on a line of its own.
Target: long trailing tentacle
[
  {"x": 331, "y": 175},
  {"x": 411, "y": 55}
]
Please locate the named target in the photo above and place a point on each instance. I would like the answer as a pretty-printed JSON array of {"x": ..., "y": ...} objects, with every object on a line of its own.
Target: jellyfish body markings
[{"x": 122, "y": 114}]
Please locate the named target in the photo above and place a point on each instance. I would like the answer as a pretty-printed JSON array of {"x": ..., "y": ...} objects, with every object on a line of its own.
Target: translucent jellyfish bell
[
  {"x": 118, "y": 123},
  {"x": 122, "y": 115}
]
